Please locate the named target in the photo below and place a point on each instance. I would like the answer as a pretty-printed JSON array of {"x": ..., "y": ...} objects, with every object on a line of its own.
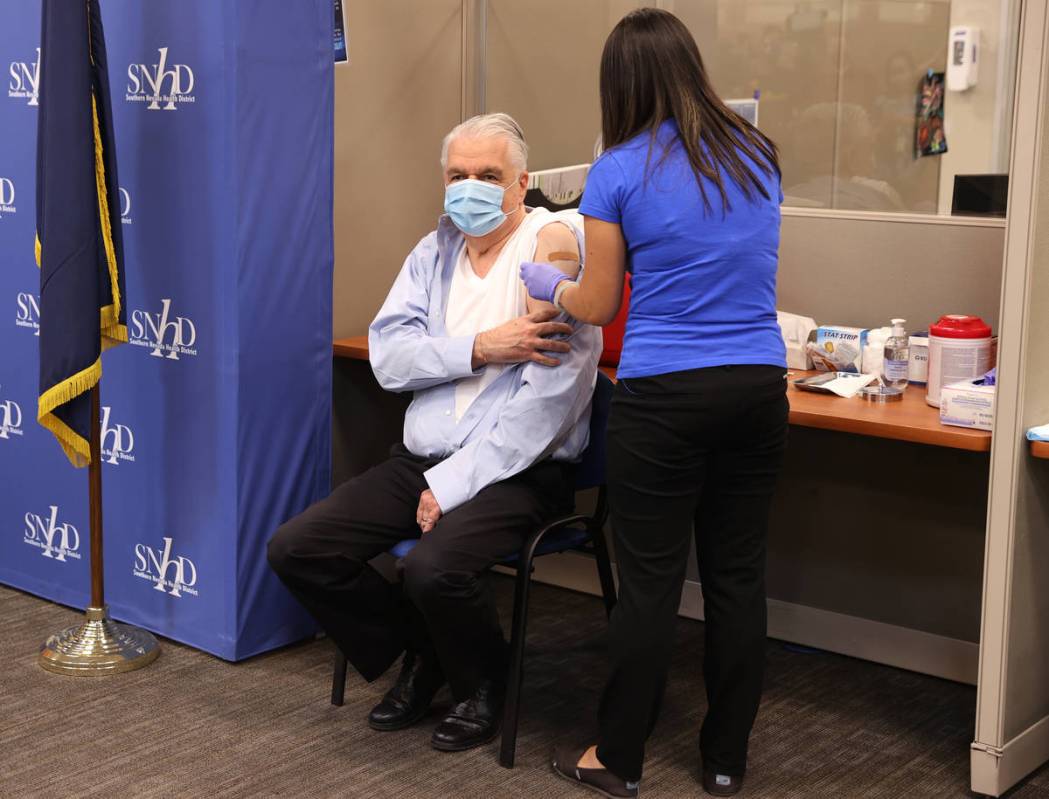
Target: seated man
[{"x": 501, "y": 410}]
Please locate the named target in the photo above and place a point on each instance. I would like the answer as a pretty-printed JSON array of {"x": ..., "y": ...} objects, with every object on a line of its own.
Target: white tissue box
[
  {"x": 796, "y": 331},
  {"x": 967, "y": 404}
]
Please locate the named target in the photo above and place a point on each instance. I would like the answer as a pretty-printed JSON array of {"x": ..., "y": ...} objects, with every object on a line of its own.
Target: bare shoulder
[{"x": 557, "y": 237}]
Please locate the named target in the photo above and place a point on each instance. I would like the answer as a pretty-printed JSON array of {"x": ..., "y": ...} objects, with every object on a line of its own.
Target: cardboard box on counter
[
  {"x": 837, "y": 349},
  {"x": 967, "y": 404}
]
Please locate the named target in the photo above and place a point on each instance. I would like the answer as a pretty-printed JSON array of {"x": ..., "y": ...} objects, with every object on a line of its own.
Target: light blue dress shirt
[{"x": 530, "y": 412}]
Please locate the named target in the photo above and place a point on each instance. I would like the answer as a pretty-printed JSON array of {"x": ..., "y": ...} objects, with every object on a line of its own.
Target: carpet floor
[{"x": 190, "y": 725}]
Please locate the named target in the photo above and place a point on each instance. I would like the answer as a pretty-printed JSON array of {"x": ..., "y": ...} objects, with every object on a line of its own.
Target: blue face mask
[{"x": 476, "y": 207}]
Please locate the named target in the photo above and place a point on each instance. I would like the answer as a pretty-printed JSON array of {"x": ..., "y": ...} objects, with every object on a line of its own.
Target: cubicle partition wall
[
  {"x": 1012, "y": 713},
  {"x": 216, "y": 415}
]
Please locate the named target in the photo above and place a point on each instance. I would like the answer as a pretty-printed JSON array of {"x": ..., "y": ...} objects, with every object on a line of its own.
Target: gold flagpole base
[{"x": 98, "y": 646}]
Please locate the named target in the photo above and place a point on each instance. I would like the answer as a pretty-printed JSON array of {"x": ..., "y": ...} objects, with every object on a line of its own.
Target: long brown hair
[{"x": 651, "y": 71}]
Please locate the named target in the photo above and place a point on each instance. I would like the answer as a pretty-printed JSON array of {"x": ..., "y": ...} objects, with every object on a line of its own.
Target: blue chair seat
[{"x": 560, "y": 540}]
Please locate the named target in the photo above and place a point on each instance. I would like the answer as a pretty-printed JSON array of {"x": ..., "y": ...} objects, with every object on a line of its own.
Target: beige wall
[
  {"x": 750, "y": 46},
  {"x": 543, "y": 58},
  {"x": 888, "y": 46},
  {"x": 394, "y": 101},
  {"x": 837, "y": 78},
  {"x": 837, "y": 81},
  {"x": 978, "y": 119}
]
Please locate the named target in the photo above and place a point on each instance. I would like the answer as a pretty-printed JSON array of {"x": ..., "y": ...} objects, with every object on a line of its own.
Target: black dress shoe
[
  {"x": 721, "y": 784},
  {"x": 473, "y": 722},
  {"x": 410, "y": 698}
]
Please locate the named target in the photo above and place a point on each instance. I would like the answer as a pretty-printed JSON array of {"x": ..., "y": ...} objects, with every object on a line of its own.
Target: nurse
[{"x": 686, "y": 197}]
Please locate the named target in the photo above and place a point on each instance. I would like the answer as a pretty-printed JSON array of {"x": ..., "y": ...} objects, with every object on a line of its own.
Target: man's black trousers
[{"x": 443, "y": 605}]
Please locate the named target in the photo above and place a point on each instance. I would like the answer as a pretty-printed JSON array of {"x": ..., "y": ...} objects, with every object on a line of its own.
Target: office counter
[
  {"x": 910, "y": 420},
  {"x": 355, "y": 347}
]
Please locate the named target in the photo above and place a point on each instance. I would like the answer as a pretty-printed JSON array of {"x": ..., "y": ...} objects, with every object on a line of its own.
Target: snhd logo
[
  {"x": 118, "y": 442},
  {"x": 157, "y": 84},
  {"x": 7, "y": 197},
  {"x": 163, "y": 332},
  {"x": 58, "y": 541},
  {"x": 28, "y": 313},
  {"x": 125, "y": 207},
  {"x": 10, "y": 419},
  {"x": 174, "y": 575},
  {"x": 24, "y": 83}
]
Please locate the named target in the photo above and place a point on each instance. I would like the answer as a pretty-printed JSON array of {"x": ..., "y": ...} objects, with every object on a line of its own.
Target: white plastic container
[
  {"x": 919, "y": 367},
  {"x": 959, "y": 349},
  {"x": 873, "y": 359}
]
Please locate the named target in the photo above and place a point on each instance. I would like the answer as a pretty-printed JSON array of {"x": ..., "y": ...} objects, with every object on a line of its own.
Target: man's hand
[
  {"x": 428, "y": 513},
  {"x": 523, "y": 339}
]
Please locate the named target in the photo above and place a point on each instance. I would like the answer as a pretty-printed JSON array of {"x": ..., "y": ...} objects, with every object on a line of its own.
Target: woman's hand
[{"x": 541, "y": 280}]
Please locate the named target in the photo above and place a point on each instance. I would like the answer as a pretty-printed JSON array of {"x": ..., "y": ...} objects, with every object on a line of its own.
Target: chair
[{"x": 578, "y": 532}]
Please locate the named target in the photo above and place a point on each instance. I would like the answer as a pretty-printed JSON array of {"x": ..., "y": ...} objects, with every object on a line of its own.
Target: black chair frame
[{"x": 598, "y": 547}]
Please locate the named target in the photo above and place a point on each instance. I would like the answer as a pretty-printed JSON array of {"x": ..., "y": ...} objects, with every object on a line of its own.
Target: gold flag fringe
[
  {"x": 110, "y": 314},
  {"x": 75, "y": 446}
]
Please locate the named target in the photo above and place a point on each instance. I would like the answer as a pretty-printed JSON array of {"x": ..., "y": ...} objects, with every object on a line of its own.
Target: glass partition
[{"x": 837, "y": 84}]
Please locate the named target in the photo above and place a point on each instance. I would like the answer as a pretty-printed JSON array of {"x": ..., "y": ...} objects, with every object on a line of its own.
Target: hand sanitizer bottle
[{"x": 897, "y": 355}]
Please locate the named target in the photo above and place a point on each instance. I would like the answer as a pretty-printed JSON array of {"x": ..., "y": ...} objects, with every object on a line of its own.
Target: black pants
[
  {"x": 700, "y": 447},
  {"x": 443, "y": 605}
]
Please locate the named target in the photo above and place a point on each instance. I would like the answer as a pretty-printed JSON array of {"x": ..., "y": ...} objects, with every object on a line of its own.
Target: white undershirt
[{"x": 477, "y": 304}]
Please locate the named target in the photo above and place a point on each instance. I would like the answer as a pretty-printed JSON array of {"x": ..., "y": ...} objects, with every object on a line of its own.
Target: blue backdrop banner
[{"x": 216, "y": 416}]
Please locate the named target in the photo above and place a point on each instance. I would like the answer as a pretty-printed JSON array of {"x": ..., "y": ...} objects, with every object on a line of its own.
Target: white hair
[{"x": 491, "y": 125}]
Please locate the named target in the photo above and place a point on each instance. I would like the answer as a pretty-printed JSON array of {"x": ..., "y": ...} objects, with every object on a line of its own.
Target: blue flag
[{"x": 79, "y": 247}]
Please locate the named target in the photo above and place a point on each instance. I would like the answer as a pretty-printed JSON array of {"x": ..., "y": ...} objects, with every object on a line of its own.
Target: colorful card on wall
[{"x": 930, "y": 138}]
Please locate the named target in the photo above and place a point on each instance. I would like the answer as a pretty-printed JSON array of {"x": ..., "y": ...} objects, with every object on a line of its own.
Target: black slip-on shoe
[
  {"x": 407, "y": 702},
  {"x": 599, "y": 780},
  {"x": 473, "y": 722},
  {"x": 721, "y": 784}
]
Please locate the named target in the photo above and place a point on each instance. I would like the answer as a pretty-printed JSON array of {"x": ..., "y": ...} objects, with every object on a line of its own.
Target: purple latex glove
[{"x": 541, "y": 280}]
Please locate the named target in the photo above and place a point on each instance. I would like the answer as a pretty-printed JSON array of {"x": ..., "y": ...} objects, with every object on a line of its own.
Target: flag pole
[
  {"x": 98, "y": 645},
  {"x": 94, "y": 499}
]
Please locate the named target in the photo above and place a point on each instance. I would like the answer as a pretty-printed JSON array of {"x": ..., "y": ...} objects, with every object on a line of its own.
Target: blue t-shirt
[{"x": 703, "y": 285}]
